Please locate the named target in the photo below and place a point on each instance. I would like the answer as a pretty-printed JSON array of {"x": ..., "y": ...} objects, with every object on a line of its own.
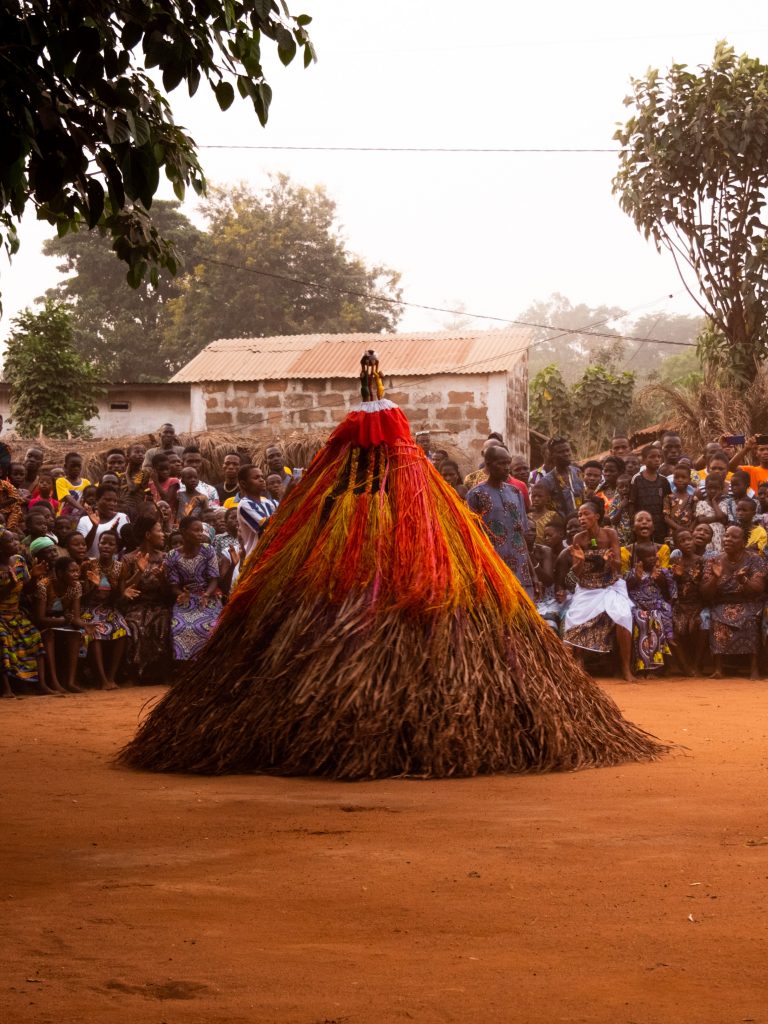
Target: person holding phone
[{"x": 757, "y": 447}]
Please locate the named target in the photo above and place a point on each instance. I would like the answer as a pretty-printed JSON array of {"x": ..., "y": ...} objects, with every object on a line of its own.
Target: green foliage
[
  {"x": 550, "y": 403},
  {"x": 588, "y": 411},
  {"x": 601, "y": 401},
  {"x": 51, "y": 386},
  {"x": 288, "y": 231},
  {"x": 693, "y": 176},
  {"x": 86, "y": 132},
  {"x": 119, "y": 328}
]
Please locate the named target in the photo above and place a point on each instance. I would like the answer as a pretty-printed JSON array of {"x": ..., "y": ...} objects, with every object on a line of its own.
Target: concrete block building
[{"x": 459, "y": 385}]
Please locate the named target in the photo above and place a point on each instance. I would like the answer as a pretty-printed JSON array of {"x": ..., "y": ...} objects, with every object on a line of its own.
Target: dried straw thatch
[
  {"x": 375, "y": 633},
  {"x": 709, "y": 410},
  {"x": 299, "y": 446}
]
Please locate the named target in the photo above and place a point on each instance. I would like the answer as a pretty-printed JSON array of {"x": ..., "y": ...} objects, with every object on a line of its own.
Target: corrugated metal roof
[{"x": 321, "y": 356}]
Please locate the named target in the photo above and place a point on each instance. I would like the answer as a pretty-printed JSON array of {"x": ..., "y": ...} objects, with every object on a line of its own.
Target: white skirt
[{"x": 587, "y": 604}]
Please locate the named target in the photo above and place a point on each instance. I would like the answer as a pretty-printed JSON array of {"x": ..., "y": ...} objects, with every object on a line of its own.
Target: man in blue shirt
[
  {"x": 564, "y": 483},
  {"x": 502, "y": 509}
]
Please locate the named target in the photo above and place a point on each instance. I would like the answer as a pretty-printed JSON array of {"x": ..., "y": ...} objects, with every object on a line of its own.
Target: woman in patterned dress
[
  {"x": 734, "y": 583},
  {"x": 147, "y": 603},
  {"x": 193, "y": 574},
  {"x": 22, "y": 645},
  {"x": 105, "y": 627},
  {"x": 600, "y": 604}
]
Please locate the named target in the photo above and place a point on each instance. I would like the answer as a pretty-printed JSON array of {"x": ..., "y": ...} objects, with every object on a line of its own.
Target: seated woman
[
  {"x": 57, "y": 612},
  {"x": 147, "y": 604},
  {"x": 192, "y": 571},
  {"x": 652, "y": 590},
  {"x": 687, "y": 565},
  {"x": 600, "y": 602},
  {"x": 22, "y": 645},
  {"x": 734, "y": 584},
  {"x": 105, "y": 626}
]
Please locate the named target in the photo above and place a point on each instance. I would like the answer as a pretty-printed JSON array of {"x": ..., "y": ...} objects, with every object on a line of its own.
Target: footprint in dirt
[{"x": 161, "y": 989}]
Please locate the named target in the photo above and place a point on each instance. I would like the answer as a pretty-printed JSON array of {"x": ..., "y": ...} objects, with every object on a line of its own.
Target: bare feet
[{"x": 109, "y": 684}]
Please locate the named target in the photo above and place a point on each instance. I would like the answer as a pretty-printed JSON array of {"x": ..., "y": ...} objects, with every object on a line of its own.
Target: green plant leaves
[
  {"x": 79, "y": 95},
  {"x": 225, "y": 95}
]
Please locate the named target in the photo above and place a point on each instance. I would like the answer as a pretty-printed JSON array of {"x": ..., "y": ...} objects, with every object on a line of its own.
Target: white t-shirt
[{"x": 85, "y": 526}]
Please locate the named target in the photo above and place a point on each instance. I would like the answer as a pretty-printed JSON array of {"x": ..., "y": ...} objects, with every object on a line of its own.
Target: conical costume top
[{"x": 375, "y": 632}]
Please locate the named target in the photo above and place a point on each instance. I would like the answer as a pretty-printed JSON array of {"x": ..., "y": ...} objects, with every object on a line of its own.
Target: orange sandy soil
[{"x": 632, "y": 894}]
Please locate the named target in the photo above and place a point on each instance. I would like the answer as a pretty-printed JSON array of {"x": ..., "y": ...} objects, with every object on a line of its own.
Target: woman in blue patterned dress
[{"x": 193, "y": 574}]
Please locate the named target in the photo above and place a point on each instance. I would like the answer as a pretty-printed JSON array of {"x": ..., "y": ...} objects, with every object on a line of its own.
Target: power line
[
  {"x": 414, "y": 149},
  {"x": 442, "y": 309}
]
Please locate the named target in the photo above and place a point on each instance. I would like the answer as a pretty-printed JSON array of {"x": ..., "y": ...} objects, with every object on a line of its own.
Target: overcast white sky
[{"x": 493, "y": 232}]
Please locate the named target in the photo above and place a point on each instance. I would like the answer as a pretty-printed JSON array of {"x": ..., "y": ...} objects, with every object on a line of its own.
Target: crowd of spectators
[
  {"x": 113, "y": 581},
  {"x": 651, "y": 561},
  {"x": 655, "y": 561}
]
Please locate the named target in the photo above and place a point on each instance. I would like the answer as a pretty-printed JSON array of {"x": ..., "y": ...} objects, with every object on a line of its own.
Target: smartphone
[{"x": 735, "y": 439}]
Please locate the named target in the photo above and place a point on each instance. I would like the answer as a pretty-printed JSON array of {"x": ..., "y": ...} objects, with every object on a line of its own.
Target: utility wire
[
  {"x": 440, "y": 309},
  {"x": 414, "y": 149}
]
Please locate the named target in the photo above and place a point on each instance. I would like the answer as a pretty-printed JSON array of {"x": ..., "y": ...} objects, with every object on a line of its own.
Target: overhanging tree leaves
[
  {"x": 52, "y": 388},
  {"x": 119, "y": 329},
  {"x": 86, "y": 131},
  {"x": 275, "y": 262},
  {"x": 693, "y": 176}
]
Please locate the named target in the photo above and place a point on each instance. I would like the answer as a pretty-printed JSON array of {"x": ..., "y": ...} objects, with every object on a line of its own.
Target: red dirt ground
[{"x": 632, "y": 894}]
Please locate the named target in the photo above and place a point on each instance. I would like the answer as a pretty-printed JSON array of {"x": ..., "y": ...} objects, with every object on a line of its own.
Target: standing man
[
  {"x": 502, "y": 509},
  {"x": 33, "y": 460},
  {"x": 276, "y": 463},
  {"x": 671, "y": 451},
  {"x": 620, "y": 447},
  {"x": 564, "y": 483},
  {"x": 228, "y": 487},
  {"x": 168, "y": 443}
]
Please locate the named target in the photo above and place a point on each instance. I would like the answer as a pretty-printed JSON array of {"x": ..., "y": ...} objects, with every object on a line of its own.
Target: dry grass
[
  {"x": 704, "y": 413},
  {"x": 299, "y": 446}
]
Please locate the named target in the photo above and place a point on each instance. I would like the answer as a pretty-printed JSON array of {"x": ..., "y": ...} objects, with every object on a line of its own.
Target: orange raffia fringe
[
  {"x": 375, "y": 632},
  {"x": 430, "y": 557}
]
